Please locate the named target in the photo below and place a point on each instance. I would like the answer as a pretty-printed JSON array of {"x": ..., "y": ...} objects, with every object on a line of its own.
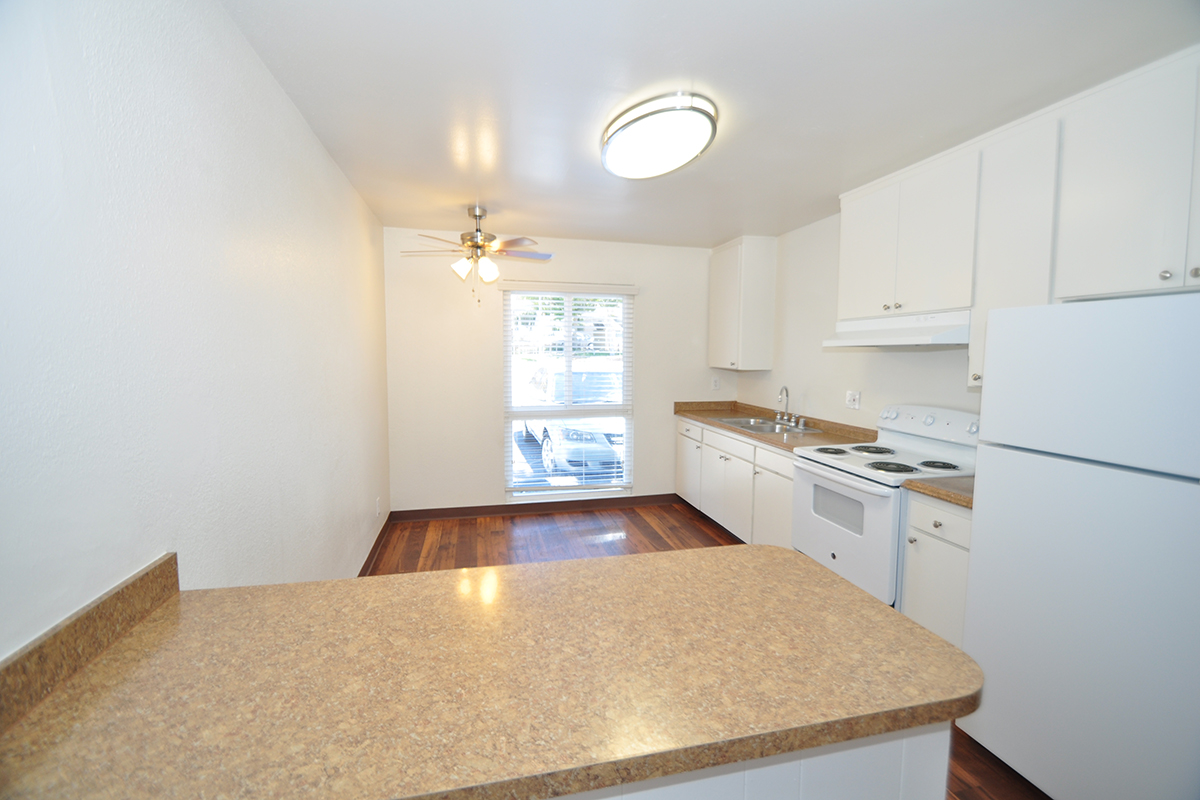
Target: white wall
[
  {"x": 817, "y": 377},
  {"x": 191, "y": 315},
  {"x": 445, "y": 362}
]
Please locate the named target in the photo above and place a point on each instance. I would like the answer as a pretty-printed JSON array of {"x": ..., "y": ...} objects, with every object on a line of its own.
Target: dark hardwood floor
[{"x": 426, "y": 545}]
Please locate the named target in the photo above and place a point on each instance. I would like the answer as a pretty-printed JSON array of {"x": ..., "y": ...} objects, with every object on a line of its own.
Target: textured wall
[
  {"x": 191, "y": 315},
  {"x": 446, "y": 360}
]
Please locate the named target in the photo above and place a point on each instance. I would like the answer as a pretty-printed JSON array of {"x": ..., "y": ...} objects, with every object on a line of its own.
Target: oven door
[{"x": 848, "y": 524}]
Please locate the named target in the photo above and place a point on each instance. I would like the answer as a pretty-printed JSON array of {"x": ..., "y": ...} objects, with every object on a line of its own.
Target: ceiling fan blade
[
  {"x": 525, "y": 254},
  {"x": 429, "y": 252},
  {"x": 520, "y": 241},
  {"x": 439, "y": 239}
]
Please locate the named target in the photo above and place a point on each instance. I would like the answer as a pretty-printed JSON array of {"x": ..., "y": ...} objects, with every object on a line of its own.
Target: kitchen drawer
[
  {"x": 727, "y": 444},
  {"x": 774, "y": 461},
  {"x": 938, "y": 520},
  {"x": 688, "y": 429}
]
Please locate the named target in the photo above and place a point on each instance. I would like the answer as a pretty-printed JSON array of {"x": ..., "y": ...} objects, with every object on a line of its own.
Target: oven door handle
[{"x": 843, "y": 479}]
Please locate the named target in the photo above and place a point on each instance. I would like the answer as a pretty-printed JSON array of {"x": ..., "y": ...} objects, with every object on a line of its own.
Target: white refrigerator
[{"x": 1083, "y": 592}]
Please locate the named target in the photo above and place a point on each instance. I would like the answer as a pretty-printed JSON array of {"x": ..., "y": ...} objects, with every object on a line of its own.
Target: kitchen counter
[
  {"x": 530, "y": 680},
  {"x": 832, "y": 433},
  {"x": 959, "y": 491}
]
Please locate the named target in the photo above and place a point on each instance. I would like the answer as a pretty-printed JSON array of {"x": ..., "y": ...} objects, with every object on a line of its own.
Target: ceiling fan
[{"x": 477, "y": 246}]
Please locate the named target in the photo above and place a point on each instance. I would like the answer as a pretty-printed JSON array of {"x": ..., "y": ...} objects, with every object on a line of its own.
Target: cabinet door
[
  {"x": 712, "y": 483},
  {"x": 723, "y": 307},
  {"x": 867, "y": 263},
  {"x": 772, "y": 509},
  {"x": 1126, "y": 186},
  {"x": 935, "y": 585},
  {"x": 687, "y": 469},
  {"x": 935, "y": 244},
  {"x": 738, "y": 506},
  {"x": 1016, "y": 229}
]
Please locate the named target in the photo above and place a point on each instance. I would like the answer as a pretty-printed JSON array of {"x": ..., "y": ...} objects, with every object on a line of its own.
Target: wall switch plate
[
  {"x": 716, "y": 383},
  {"x": 854, "y": 400}
]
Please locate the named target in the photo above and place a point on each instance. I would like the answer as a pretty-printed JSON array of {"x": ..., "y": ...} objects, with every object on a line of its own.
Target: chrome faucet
[{"x": 784, "y": 397}]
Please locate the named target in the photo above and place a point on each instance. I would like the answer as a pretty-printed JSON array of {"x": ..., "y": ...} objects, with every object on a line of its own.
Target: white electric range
[{"x": 847, "y": 500}]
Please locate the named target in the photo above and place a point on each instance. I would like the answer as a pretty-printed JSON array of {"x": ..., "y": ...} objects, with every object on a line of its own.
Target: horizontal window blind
[{"x": 568, "y": 392}]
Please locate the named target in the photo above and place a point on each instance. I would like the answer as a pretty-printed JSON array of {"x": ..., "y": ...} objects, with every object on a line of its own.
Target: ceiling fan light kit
[
  {"x": 476, "y": 247},
  {"x": 659, "y": 135}
]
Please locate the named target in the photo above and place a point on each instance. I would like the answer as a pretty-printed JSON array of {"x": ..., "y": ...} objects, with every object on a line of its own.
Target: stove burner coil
[
  {"x": 890, "y": 466},
  {"x": 831, "y": 451},
  {"x": 938, "y": 465},
  {"x": 874, "y": 450}
]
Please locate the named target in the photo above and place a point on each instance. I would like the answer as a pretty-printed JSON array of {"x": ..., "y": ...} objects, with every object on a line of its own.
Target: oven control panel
[{"x": 943, "y": 424}]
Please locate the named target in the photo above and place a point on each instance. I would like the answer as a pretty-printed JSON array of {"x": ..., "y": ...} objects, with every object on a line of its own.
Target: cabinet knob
[
  {"x": 697, "y": 447},
  {"x": 937, "y": 524},
  {"x": 912, "y": 540},
  {"x": 1165, "y": 275},
  {"x": 976, "y": 377},
  {"x": 897, "y": 305},
  {"x": 886, "y": 307},
  {"x": 732, "y": 363},
  {"x": 756, "y": 472},
  {"x": 1195, "y": 273}
]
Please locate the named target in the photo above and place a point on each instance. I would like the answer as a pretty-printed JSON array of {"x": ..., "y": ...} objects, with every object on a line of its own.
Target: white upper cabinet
[
  {"x": 935, "y": 246},
  {"x": 1016, "y": 228},
  {"x": 867, "y": 270},
  {"x": 741, "y": 304},
  {"x": 1126, "y": 186},
  {"x": 909, "y": 247}
]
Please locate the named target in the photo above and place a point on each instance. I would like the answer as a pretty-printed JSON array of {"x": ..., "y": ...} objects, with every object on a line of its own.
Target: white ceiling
[{"x": 430, "y": 106}]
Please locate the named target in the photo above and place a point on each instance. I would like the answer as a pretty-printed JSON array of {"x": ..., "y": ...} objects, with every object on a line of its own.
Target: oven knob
[
  {"x": 893, "y": 414},
  {"x": 928, "y": 419}
]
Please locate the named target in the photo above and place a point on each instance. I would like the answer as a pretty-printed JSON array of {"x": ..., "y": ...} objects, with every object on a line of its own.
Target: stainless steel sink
[{"x": 758, "y": 425}]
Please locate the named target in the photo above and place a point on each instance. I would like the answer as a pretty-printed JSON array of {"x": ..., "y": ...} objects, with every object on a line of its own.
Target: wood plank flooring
[{"x": 421, "y": 546}]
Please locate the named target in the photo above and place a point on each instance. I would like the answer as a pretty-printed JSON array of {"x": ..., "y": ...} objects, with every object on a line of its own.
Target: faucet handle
[{"x": 778, "y": 416}]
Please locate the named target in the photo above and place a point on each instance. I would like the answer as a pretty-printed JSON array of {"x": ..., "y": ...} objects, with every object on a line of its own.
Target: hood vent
[{"x": 944, "y": 328}]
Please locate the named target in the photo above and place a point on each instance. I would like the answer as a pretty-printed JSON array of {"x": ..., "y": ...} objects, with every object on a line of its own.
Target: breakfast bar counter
[{"x": 532, "y": 680}]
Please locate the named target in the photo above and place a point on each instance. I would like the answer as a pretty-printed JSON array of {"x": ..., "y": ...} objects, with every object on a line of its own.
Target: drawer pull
[
  {"x": 896, "y": 306},
  {"x": 1195, "y": 273},
  {"x": 887, "y": 307},
  {"x": 912, "y": 540},
  {"x": 1165, "y": 275},
  {"x": 937, "y": 524}
]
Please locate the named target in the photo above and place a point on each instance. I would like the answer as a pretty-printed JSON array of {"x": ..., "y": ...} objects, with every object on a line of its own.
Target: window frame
[{"x": 623, "y": 409}]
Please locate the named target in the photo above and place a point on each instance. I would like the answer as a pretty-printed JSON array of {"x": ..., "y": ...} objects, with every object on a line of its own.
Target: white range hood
[{"x": 943, "y": 328}]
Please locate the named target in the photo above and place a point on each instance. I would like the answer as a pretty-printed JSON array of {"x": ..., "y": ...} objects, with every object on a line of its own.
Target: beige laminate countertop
[
  {"x": 832, "y": 433},
  {"x": 959, "y": 491},
  {"x": 527, "y": 680}
]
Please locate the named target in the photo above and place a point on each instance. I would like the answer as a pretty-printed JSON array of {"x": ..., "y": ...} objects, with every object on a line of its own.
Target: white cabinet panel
[
  {"x": 741, "y": 304},
  {"x": 935, "y": 245},
  {"x": 687, "y": 468},
  {"x": 727, "y": 491},
  {"x": 867, "y": 267},
  {"x": 935, "y": 585},
  {"x": 854, "y": 773},
  {"x": 772, "y": 509},
  {"x": 1016, "y": 229},
  {"x": 1126, "y": 185}
]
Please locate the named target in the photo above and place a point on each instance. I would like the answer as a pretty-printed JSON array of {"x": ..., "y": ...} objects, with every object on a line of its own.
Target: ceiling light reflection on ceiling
[{"x": 659, "y": 135}]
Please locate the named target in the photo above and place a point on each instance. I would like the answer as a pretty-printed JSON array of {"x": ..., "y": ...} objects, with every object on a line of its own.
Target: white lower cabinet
[
  {"x": 744, "y": 488},
  {"x": 727, "y": 490},
  {"x": 936, "y": 552},
  {"x": 772, "y": 498},
  {"x": 687, "y": 463}
]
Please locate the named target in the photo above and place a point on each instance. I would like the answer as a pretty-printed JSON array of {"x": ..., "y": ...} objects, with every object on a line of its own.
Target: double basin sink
[{"x": 759, "y": 425}]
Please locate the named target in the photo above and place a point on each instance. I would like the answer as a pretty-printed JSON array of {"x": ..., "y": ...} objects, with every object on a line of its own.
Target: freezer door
[
  {"x": 1115, "y": 381},
  {"x": 1083, "y": 609}
]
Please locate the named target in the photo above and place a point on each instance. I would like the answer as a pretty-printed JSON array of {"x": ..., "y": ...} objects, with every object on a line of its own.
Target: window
[{"x": 568, "y": 392}]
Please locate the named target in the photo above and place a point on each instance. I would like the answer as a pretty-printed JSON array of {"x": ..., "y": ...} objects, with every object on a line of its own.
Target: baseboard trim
[
  {"x": 34, "y": 671},
  {"x": 525, "y": 509},
  {"x": 375, "y": 548}
]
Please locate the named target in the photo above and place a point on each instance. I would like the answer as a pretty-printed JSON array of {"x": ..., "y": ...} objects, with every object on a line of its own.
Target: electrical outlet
[
  {"x": 854, "y": 400},
  {"x": 716, "y": 383}
]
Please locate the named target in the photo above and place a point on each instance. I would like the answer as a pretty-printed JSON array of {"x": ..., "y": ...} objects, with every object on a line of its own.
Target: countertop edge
[
  {"x": 606, "y": 774},
  {"x": 931, "y": 489},
  {"x": 832, "y": 432}
]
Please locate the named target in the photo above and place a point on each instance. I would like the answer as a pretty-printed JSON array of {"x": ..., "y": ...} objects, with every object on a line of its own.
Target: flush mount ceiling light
[{"x": 658, "y": 136}]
